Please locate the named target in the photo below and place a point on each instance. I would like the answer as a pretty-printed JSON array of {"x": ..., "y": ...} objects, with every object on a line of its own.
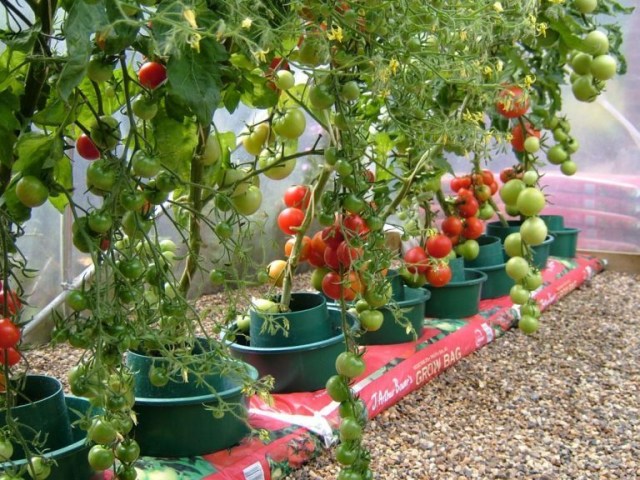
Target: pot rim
[
  {"x": 294, "y": 348},
  {"x": 208, "y": 398}
]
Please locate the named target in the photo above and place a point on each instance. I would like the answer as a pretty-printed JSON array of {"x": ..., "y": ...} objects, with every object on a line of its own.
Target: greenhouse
[{"x": 307, "y": 240}]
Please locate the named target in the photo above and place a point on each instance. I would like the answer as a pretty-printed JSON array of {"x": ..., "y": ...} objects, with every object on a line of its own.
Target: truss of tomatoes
[{"x": 10, "y": 333}]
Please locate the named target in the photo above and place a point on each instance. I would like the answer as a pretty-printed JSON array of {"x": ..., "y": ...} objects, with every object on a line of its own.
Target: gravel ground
[{"x": 562, "y": 404}]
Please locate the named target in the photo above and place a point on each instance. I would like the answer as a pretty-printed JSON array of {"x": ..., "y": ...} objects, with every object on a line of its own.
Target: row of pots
[{"x": 300, "y": 358}]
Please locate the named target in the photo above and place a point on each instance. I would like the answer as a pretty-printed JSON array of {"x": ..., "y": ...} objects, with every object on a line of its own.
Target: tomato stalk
[
  {"x": 196, "y": 202},
  {"x": 292, "y": 262},
  {"x": 407, "y": 182}
]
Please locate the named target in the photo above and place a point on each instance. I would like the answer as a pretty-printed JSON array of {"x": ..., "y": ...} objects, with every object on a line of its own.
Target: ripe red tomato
[
  {"x": 9, "y": 333},
  {"x": 473, "y": 228},
  {"x": 9, "y": 356},
  {"x": 452, "y": 226},
  {"x": 507, "y": 174},
  {"x": 86, "y": 148},
  {"x": 316, "y": 259},
  {"x": 439, "y": 275},
  {"x": 354, "y": 225},
  {"x": 347, "y": 254},
  {"x": 455, "y": 184},
  {"x": 518, "y": 138},
  {"x": 331, "y": 258},
  {"x": 487, "y": 177},
  {"x": 297, "y": 196},
  {"x": 305, "y": 248},
  {"x": 467, "y": 207},
  {"x": 317, "y": 243},
  {"x": 10, "y": 301},
  {"x": 416, "y": 260},
  {"x": 331, "y": 236},
  {"x": 439, "y": 245},
  {"x": 512, "y": 102},
  {"x": 290, "y": 219},
  {"x": 331, "y": 285},
  {"x": 152, "y": 74}
]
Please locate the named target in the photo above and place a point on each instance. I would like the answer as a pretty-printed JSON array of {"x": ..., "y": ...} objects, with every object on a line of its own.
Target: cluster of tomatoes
[
  {"x": 10, "y": 333},
  {"x": 429, "y": 264},
  {"x": 334, "y": 251}
]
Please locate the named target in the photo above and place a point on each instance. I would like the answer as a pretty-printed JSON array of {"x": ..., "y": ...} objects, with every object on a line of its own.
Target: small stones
[{"x": 564, "y": 403}]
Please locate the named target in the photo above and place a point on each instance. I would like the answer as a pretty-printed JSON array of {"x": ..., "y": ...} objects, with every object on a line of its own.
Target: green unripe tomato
[{"x": 284, "y": 79}]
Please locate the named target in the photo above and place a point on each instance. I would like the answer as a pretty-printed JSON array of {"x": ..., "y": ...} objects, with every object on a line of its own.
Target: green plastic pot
[
  {"x": 491, "y": 253},
  {"x": 457, "y": 269},
  {"x": 457, "y": 299},
  {"x": 41, "y": 411},
  {"x": 391, "y": 332},
  {"x": 397, "y": 285},
  {"x": 176, "y": 420},
  {"x": 306, "y": 322},
  {"x": 299, "y": 368},
  {"x": 71, "y": 461},
  {"x": 541, "y": 252},
  {"x": 565, "y": 243},
  {"x": 496, "y": 229},
  {"x": 498, "y": 283},
  {"x": 553, "y": 222}
]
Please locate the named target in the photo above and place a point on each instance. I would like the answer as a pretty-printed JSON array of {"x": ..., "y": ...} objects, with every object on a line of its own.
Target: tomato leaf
[
  {"x": 35, "y": 150},
  {"x": 7, "y": 139},
  {"x": 54, "y": 114},
  {"x": 23, "y": 40},
  {"x": 81, "y": 22},
  {"x": 9, "y": 103},
  {"x": 259, "y": 95},
  {"x": 231, "y": 98},
  {"x": 11, "y": 76},
  {"x": 195, "y": 77},
  {"x": 16, "y": 209},
  {"x": 63, "y": 175},
  {"x": 175, "y": 142}
]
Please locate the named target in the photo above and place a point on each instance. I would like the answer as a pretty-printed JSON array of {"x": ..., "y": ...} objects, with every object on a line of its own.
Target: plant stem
[
  {"x": 408, "y": 182},
  {"x": 292, "y": 263},
  {"x": 195, "y": 199}
]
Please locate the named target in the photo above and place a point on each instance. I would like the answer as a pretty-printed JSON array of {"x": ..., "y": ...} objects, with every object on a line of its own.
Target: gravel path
[{"x": 563, "y": 404}]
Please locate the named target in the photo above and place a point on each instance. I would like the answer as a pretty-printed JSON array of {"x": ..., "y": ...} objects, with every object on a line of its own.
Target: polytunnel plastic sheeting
[{"x": 299, "y": 425}]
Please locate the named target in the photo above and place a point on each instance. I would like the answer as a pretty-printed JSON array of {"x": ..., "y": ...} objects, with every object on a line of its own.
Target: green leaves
[
  {"x": 174, "y": 142},
  {"x": 81, "y": 23},
  {"x": 195, "y": 77},
  {"x": 36, "y": 151}
]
